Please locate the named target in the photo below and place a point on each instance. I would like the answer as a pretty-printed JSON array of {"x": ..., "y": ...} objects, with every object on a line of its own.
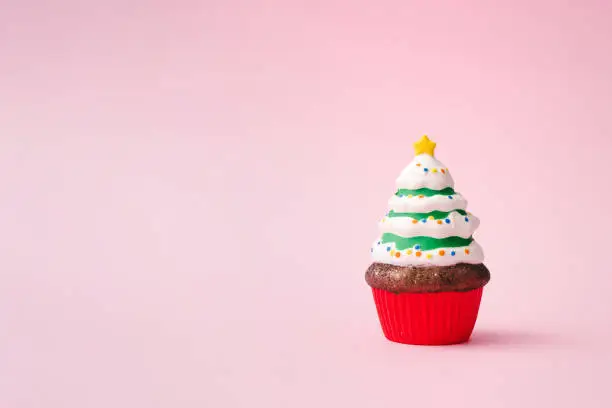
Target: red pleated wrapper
[{"x": 428, "y": 318}]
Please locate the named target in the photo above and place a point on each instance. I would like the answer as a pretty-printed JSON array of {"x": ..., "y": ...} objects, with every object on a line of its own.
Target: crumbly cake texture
[{"x": 427, "y": 279}]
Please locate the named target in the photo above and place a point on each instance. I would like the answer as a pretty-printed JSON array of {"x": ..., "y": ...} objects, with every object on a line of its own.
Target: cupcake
[{"x": 427, "y": 274}]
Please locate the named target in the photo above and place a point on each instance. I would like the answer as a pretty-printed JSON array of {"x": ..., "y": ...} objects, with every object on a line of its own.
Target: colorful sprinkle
[
  {"x": 425, "y": 169},
  {"x": 397, "y": 254},
  {"x": 439, "y": 222},
  {"x": 417, "y": 247},
  {"x": 447, "y": 220},
  {"x": 466, "y": 219},
  {"x": 388, "y": 249},
  {"x": 443, "y": 171},
  {"x": 418, "y": 253},
  {"x": 401, "y": 196},
  {"x": 441, "y": 252},
  {"x": 409, "y": 195},
  {"x": 392, "y": 252},
  {"x": 429, "y": 256},
  {"x": 434, "y": 170},
  {"x": 418, "y": 164},
  {"x": 467, "y": 251},
  {"x": 423, "y": 220},
  {"x": 409, "y": 252},
  {"x": 450, "y": 197},
  {"x": 414, "y": 220},
  {"x": 378, "y": 243},
  {"x": 453, "y": 253},
  {"x": 421, "y": 196},
  {"x": 430, "y": 217}
]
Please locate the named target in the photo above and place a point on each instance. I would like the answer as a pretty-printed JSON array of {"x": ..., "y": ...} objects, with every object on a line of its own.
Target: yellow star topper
[{"x": 424, "y": 146}]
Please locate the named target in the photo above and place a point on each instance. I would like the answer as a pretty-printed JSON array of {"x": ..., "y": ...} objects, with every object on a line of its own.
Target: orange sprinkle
[
  {"x": 441, "y": 252},
  {"x": 443, "y": 171},
  {"x": 421, "y": 196},
  {"x": 414, "y": 221},
  {"x": 467, "y": 251},
  {"x": 409, "y": 252},
  {"x": 418, "y": 164},
  {"x": 418, "y": 253},
  {"x": 397, "y": 254},
  {"x": 439, "y": 221}
]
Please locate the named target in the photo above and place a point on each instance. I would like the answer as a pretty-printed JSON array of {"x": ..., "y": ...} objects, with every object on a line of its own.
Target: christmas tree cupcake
[{"x": 427, "y": 276}]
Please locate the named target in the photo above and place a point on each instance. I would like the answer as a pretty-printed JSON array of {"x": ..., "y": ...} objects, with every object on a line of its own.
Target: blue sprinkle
[
  {"x": 424, "y": 220},
  {"x": 401, "y": 195},
  {"x": 378, "y": 243},
  {"x": 388, "y": 249},
  {"x": 452, "y": 253},
  {"x": 466, "y": 219},
  {"x": 425, "y": 169},
  {"x": 417, "y": 247},
  {"x": 447, "y": 221},
  {"x": 450, "y": 197}
]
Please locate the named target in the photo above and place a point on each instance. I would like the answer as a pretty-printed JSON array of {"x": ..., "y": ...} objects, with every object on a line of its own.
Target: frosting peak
[{"x": 425, "y": 171}]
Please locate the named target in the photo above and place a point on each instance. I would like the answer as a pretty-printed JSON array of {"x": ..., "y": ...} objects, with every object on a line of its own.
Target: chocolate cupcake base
[{"x": 461, "y": 277}]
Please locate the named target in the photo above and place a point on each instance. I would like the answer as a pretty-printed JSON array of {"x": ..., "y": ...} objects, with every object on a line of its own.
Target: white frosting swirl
[
  {"x": 427, "y": 204},
  {"x": 454, "y": 225},
  {"x": 467, "y": 254},
  {"x": 425, "y": 171}
]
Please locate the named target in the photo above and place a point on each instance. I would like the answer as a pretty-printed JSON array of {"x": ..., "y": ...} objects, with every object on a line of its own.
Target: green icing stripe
[
  {"x": 426, "y": 243},
  {"x": 419, "y": 216},
  {"x": 425, "y": 192}
]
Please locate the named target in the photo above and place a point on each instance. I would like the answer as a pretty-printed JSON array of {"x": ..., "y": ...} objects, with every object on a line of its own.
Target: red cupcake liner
[{"x": 427, "y": 318}]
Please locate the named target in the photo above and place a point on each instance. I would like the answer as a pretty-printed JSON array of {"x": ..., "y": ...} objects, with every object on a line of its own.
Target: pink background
[{"x": 189, "y": 190}]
